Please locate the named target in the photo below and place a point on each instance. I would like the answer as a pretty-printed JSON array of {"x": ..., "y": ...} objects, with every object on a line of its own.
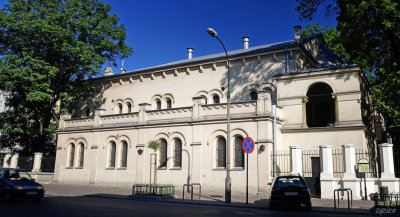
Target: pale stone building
[{"x": 320, "y": 100}]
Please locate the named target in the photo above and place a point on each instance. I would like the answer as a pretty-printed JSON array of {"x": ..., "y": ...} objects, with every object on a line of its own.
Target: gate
[
  {"x": 311, "y": 171},
  {"x": 25, "y": 163}
]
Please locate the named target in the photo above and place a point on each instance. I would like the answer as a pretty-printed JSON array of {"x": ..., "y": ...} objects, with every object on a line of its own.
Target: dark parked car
[
  {"x": 289, "y": 191},
  {"x": 16, "y": 183}
]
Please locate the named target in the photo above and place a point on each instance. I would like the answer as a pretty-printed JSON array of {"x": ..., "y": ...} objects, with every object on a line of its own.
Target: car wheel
[
  {"x": 37, "y": 199},
  {"x": 7, "y": 197}
]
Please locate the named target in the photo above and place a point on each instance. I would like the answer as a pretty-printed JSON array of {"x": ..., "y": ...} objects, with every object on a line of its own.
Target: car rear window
[{"x": 289, "y": 181}]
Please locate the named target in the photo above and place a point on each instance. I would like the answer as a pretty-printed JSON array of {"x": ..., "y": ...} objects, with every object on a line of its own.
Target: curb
[{"x": 170, "y": 199}]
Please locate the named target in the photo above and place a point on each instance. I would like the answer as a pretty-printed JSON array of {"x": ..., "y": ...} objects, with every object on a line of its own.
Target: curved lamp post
[{"x": 228, "y": 181}]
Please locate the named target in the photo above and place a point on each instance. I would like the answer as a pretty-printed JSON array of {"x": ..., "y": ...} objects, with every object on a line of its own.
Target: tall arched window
[
  {"x": 178, "y": 153},
  {"x": 81, "y": 154},
  {"x": 169, "y": 103},
  {"x": 71, "y": 157},
  {"x": 158, "y": 104},
  {"x": 253, "y": 95},
  {"x": 215, "y": 99},
  {"x": 163, "y": 153},
  {"x": 320, "y": 106},
  {"x": 124, "y": 154},
  {"x": 118, "y": 109},
  {"x": 111, "y": 154},
  {"x": 239, "y": 154},
  {"x": 128, "y": 107},
  {"x": 221, "y": 152},
  {"x": 87, "y": 112}
]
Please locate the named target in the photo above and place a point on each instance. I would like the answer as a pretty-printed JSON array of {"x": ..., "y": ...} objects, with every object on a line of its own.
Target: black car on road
[
  {"x": 289, "y": 191},
  {"x": 15, "y": 183}
]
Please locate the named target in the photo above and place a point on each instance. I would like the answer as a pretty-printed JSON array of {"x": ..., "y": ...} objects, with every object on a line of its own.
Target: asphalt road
[{"x": 77, "y": 206}]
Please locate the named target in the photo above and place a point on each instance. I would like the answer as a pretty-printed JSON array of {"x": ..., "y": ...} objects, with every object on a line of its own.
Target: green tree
[
  {"x": 370, "y": 33},
  {"x": 155, "y": 145},
  {"x": 48, "y": 51}
]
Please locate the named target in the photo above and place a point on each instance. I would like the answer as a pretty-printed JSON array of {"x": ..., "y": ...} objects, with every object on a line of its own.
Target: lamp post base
[{"x": 228, "y": 190}]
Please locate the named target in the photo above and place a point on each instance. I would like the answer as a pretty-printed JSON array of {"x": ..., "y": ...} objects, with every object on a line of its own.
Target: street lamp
[{"x": 228, "y": 181}]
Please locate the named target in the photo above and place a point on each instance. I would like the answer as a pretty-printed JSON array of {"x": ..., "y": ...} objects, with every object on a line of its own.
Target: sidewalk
[{"x": 207, "y": 198}]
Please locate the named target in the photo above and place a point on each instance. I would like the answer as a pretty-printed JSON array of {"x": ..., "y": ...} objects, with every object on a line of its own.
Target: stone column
[
  {"x": 37, "y": 162},
  {"x": 335, "y": 99},
  {"x": 387, "y": 166},
  {"x": 263, "y": 102},
  {"x": 63, "y": 118},
  {"x": 326, "y": 176},
  {"x": 197, "y": 111},
  {"x": 97, "y": 118},
  {"x": 349, "y": 177},
  {"x": 304, "y": 101},
  {"x": 14, "y": 160},
  {"x": 7, "y": 161},
  {"x": 296, "y": 163},
  {"x": 143, "y": 107}
]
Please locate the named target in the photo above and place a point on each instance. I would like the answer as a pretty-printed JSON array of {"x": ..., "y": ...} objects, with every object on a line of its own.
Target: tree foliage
[
  {"x": 48, "y": 51},
  {"x": 370, "y": 33},
  {"x": 154, "y": 144}
]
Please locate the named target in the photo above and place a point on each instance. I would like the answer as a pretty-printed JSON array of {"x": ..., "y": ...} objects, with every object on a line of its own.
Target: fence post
[
  {"x": 387, "y": 167},
  {"x": 37, "y": 162},
  {"x": 7, "y": 161},
  {"x": 326, "y": 176},
  {"x": 349, "y": 156},
  {"x": 14, "y": 160},
  {"x": 296, "y": 164}
]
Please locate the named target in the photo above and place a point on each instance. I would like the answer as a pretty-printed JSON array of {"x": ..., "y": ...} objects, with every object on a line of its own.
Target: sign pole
[
  {"x": 247, "y": 178},
  {"x": 365, "y": 188}
]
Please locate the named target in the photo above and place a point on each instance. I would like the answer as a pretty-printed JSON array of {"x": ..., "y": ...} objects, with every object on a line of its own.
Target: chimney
[
  {"x": 246, "y": 40},
  {"x": 108, "y": 71},
  {"x": 190, "y": 52},
  {"x": 297, "y": 32}
]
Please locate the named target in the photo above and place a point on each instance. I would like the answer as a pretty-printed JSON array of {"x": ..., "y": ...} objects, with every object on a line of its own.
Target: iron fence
[
  {"x": 25, "y": 162},
  {"x": 338, "y": 167},
  {"x": 2, "y": 155},
  {"x": 161, "y": 190},
  {"x": 373, "y": 159},
  {"x": 282, "y": 162},
  {"x": 387, "y": 200},
  {"x": 48, "y": 163},
  {"x": 311, "y": 163}
]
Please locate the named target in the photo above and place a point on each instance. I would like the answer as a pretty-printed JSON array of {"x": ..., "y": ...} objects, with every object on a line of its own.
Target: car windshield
[
  {"x": 18, "y": 175},
  {"x": 289, "y": 181}
]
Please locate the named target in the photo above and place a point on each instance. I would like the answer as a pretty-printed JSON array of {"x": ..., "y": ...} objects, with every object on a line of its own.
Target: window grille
[
  {"x": 239, "y": 153},
  {"x": 221, "y": 152},
  {"x": 178, "y": 153}
]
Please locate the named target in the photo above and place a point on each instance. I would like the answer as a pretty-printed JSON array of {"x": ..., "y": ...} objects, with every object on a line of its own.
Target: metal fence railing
[
  {"x": 2, "y": 155},
  {"x": 338, "y": 167},
  {"x": 387, "y": 200},
  {"x": 161, "y": 190},
  {"x": 48, "y": 163},
  {"x": 373, "y": 159},
  {"x": 282, "y": 162},
  {"x": 311, "y": 163},
  {"x": 25, "y": 162}
]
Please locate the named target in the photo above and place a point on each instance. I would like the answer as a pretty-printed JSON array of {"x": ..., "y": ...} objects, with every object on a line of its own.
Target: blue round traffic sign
[{"x": 248, "y": 145}]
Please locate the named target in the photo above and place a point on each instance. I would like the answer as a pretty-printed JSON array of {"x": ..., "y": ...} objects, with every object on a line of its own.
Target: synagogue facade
[{"x": 319, "y": 100}]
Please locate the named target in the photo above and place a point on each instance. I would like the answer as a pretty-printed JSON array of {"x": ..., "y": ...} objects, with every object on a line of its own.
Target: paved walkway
[{"x": 259, "y": 201}]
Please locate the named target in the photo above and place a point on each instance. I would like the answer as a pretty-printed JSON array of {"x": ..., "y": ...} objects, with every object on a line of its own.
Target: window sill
[
  {"x": 121, "y": 168},
  {"x": 78, "y": 167},
  {"x": 219, "y": 169},
  {"x": 69, "y": 167},
  {"x": 237, "y": 169},
  {"x": 162, "y": 168},
  {"x": 176, "y": 168},
  {"x": 110, "y": 168}
]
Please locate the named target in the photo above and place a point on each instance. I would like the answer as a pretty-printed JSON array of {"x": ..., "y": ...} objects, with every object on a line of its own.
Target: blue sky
[{"x": 159, "y": 31}]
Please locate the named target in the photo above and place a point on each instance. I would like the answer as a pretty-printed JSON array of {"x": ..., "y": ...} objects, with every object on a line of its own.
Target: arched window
[
  {"x": 163, "y": 153},
  {"x": 221, "y": 152},
  {"x": 124, "y": 154},
  {"x": 169, "y": 103},
  {"x": 81, "y": 154},
  {"x": 320, "y": 106},
  {"x": 253, "y": 95},
  {"x": 215, "y": 99},
  {"x": 178, "y": 153},
  {"x": 205, "y": 99},
  {"x": 118, "y": 109},
  {"x": 239, "y": 154},
  {"x": 71, "y": 157},
  {"x": 87, "y": 112},
  {"x": 128, "y": 107},
  {"x": 158, "y": 104},
  {"x": 111, "y": 155}
]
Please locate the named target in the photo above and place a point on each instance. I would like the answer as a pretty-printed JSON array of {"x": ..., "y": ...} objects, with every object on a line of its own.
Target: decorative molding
[
  {"x": 152, "y": 76},
  {"x": 200, "y": 68},
  {"x": 195, "y": 143},
  {"x": 176, "y": 72},
  {"x": 140, "y": 145},
  {"x": 94, "y": 147},
  {"x": 164, "y": 75},
  {"x": 141, "y": 78},
  {"x": 214, "y": 67}
]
